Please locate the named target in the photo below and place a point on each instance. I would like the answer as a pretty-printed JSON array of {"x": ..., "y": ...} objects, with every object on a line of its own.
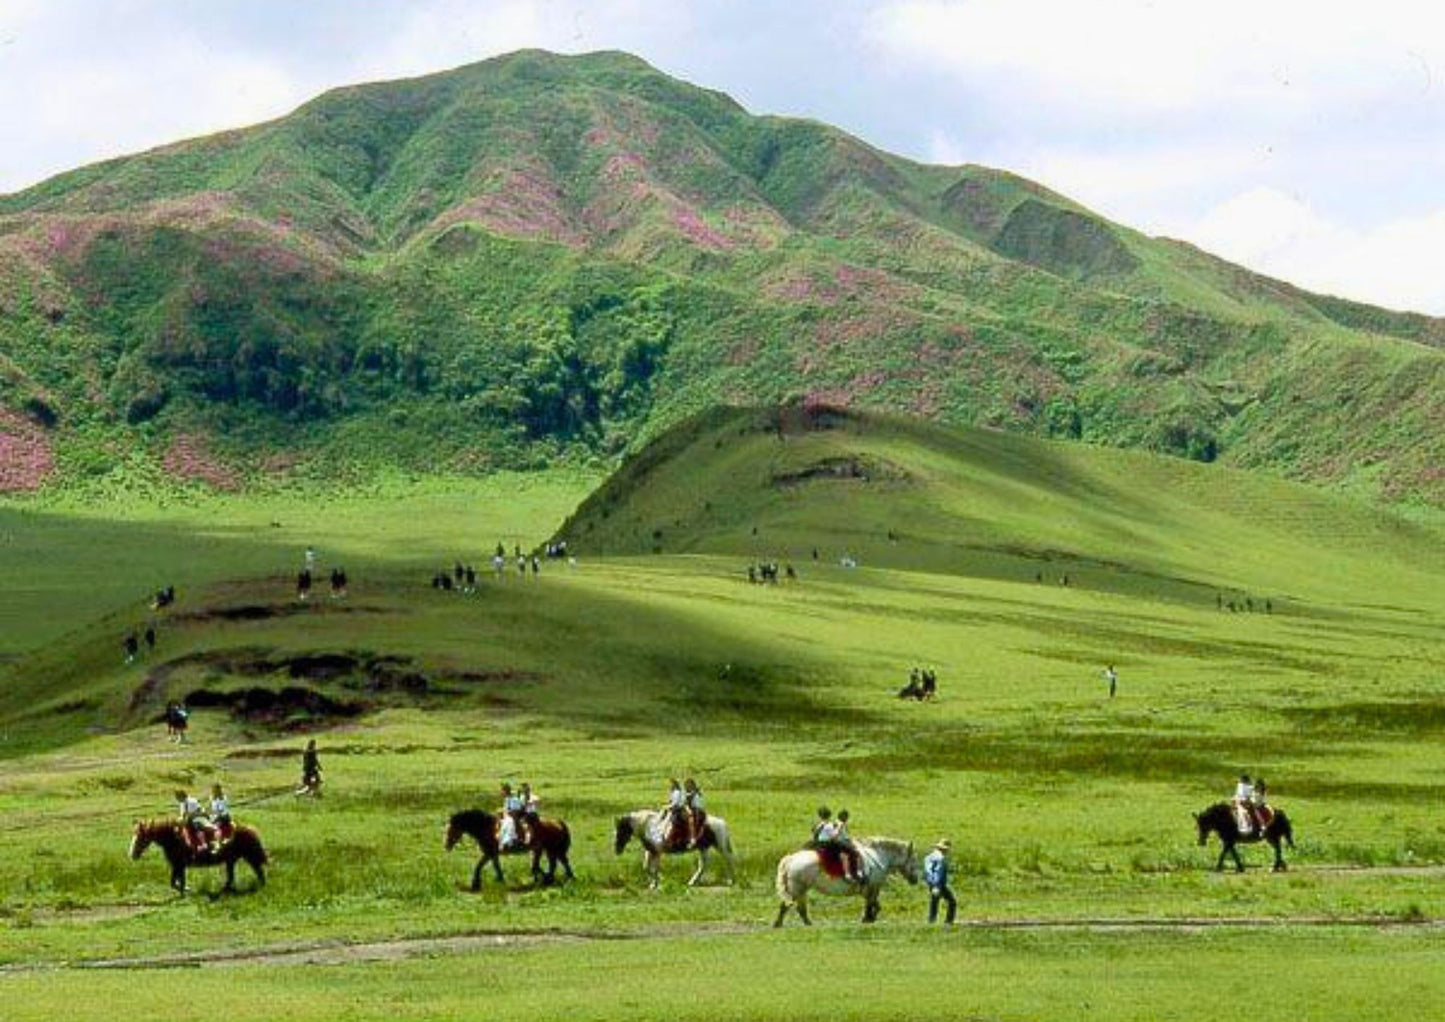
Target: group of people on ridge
[
  {"x": 518, "y": 817},
  {"x": 205, "y": 830}
]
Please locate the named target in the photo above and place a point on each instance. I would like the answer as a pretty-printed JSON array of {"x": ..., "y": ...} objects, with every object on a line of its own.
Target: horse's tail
[
  {"x": 1286, "y": 831},
  {"x": 255, "y": 851},
  {"x": 784, "y": 890},
  {"x": 564, "y": 843}
]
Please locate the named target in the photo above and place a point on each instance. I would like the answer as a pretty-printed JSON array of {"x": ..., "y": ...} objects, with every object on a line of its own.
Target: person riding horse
[
  {"x": 531, "y": 813},
  {"x": 194, "y": 823},
  {"x": 507, "y": 821},
  {"x": 831, "y": 837},
  {"x": 696, "y": 811},
  {"x": 1244, "y": 805},
  {"x": 675, "y": 813},
  {"x": 220, "y": 811}
]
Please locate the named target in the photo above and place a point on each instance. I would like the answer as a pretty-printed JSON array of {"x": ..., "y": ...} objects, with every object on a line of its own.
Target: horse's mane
[
  {"x": 471, "y": 816},
  {"x": 890, "y": 844}
]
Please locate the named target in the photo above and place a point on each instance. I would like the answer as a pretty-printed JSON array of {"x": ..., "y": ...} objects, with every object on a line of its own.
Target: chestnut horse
[
  {"x": 245, "y": 844},
  {"x": 1220, "y": 819},
  {"x": 548, "y": 837}
]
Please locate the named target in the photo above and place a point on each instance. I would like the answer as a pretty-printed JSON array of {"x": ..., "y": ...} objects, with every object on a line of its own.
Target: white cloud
[
  {"x": 1394, "y": 263},
  {"x": 1283, "y": 57}
]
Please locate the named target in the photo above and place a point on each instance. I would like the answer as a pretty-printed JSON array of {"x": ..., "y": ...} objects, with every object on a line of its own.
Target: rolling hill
[{"x": 541, "y": 257}]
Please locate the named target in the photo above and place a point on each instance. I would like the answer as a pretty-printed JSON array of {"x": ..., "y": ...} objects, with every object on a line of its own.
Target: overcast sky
[{"x": 1303, "y": 138}]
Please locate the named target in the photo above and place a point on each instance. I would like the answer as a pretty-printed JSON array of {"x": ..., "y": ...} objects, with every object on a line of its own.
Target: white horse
[
  {"x": 647, "y": 825},
  {"x": 800, "y": 872}
]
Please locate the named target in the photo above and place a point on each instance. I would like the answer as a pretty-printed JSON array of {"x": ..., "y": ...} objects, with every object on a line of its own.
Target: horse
[
  {"x": 1220, "y": 819},
  {"x": 245, "y": 844},
  {"x": 548, "y": 837},
  {"x": 646, "y": 825},
  {"x": 800, "y": 872}
]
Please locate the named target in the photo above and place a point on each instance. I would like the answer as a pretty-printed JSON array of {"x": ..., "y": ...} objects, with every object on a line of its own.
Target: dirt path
[{"x": 340, "y": 952}]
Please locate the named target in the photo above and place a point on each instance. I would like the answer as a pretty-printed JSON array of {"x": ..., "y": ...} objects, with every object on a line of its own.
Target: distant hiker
[
  {"x": 501, "y": 552},
  {"x": 1218, "y": 601},
  {"x": 914, "y": 688},
  {"x": 310, "y": 558},
  {"x": 935, "y": 875},
  {"x": 815, "y": 553},
  {"x": 1112, "y": 677},
  {"x": 310, "y": 771},
  {"x": 303, "y": 584},
  {"x": 150, "y": 637},
  {"x": 177, "y": 720},
  {"x": 522, "y": 564},
  {"x": 1268, "y": 607},
  {"x": 130, "y": 645},
  {"x": 753, "y": 574},
  {"x": 1038, "y": 576},
  {"x": 1065, "y": 580},
  {"x": 536, "y": 566},
  {"x": 788, "y": 570},
  {"x": 459, "y": 572},
  {"x": 471, "y": 579},
  {"x": 499, "y": 562}
]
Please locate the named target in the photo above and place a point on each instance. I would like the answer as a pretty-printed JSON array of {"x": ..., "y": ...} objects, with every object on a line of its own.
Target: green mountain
[{"x": 542, "y": 256}]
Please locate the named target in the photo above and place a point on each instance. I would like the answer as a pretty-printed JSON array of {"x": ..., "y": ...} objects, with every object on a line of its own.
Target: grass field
[{"x": 1082, "y": 888}]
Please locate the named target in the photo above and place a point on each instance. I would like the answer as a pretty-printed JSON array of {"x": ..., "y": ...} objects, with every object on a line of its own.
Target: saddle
[{"x": 831, "y": 859}]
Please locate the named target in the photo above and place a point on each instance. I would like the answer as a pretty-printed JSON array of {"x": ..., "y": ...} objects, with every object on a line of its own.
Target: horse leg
[
  {"x": 258, "y": 866},
  {"x": 701, "y": 865},
  {"x": 870, "y": 906},
  {"x": 802, "y": 907},
  {"x": 782, "y": 911},
  {"x": 1238, "y": 862},
  {"x": 567, "y": 866},
  {"x": 536, "y": 863},
  {"x": 178, "y": 879},
  {"x": 1279, "y": 866},
  {"x": 477, "y": 874},
  {"x": 1224, "y": 850},
  {"x": 230, "y": 875},
  {"x": 497, "y": 866}
]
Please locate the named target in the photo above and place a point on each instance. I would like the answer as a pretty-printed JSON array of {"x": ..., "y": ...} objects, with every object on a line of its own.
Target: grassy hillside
[
  {"x": 781, "y": 484},
  {"x": 541, "y": 257},
  {"x": 1069, "y": 811}
]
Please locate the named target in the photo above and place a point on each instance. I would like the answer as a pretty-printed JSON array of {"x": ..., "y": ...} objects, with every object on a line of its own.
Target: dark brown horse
[
  {"x": 1220, "y": 819},
  {"x": 166, "y": 835},
  {"x": 548, "y": 837}
]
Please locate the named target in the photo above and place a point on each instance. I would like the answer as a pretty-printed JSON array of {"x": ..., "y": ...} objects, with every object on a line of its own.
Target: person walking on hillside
[
  {"x": 935, "y": 875},
  {"x": 1112, "y": 677},
  {"x": 310, "y": 771}
]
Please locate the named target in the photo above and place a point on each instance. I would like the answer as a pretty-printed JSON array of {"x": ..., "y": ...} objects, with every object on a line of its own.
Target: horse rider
[
  {"x": 193, "y": 822},
  {"x": 1259, "y": 804},
  {"x": 220, "y": 812},
  {"x": 512, "y": 805},
  {"x": 824, "y": 821},
  {"x": 531, "y": 812},
  {"x": 675, "y": 811},
  {"x": 696, "y": 811},
  {"x": 830, "y": 834},
  {"x": 1244, "y": 804},
  {"x": 851, "y": 859}
]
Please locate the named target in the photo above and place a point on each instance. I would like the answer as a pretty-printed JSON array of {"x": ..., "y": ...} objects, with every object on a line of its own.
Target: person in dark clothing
[
  {"x": 310, "y": 771},
  {"x": 150, "y": 637},
  {"x": 131, "y": 645}
]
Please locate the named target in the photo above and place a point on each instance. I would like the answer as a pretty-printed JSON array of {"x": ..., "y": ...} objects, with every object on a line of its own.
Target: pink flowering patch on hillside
[
  {"x": 26, "y": 454},
  {"x": 698, "y": 231},
  {"x": 520, "y": 202},
  {"x": 187, "y": 458}
]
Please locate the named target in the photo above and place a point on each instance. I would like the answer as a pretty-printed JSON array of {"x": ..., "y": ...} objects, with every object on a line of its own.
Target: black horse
[
  {"x": 1220, "y": 819},
  {"x": 549, "y": 837}
]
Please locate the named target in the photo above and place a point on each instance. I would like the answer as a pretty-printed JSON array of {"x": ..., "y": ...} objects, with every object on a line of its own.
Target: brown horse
[
  {"x": 167, "y": 835},
  {"x": 548, "y": 837}
]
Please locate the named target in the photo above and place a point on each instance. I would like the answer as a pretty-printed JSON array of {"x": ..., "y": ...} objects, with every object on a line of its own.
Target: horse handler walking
[{"x": 935, "y": 875}]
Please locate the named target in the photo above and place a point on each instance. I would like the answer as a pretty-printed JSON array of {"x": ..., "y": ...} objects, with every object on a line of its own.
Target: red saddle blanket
[{"x": 831, "y": 859}]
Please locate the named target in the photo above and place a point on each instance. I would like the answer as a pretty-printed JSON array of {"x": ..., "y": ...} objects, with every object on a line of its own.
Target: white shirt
[
  {"x": 675, "y": 799},
  {"x": 1243, "y": 791},
  {"x": 828, "y": 830},
  {"x": 512, "y": 804},
  {"x": 220, "y": 806},
  {"x": 190, "y": 807},
  {"x": 694, "y": 801}
]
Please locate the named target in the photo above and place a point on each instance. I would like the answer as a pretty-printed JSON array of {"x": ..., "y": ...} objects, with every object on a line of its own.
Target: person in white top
[
  {"x": 531, "y": 806},
  {"x": 220, "y": 810},
  {"x": 193, "y": 821},
  {"x": 1244, "y": 804},
  {"x": 507, "y": 822}
]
